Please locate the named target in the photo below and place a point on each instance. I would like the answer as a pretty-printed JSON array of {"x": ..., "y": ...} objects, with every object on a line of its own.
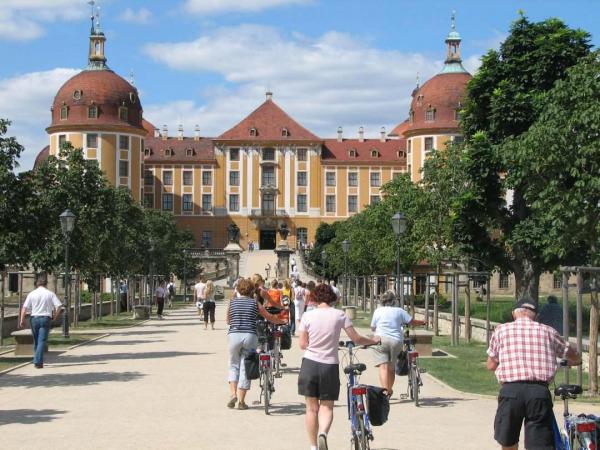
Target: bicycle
[
  {"x": 579, "y": 431},
  {"x": 414, "y": 371},
  {"x": 266, "y": 365},
  {"x": 358, "y": 414}
]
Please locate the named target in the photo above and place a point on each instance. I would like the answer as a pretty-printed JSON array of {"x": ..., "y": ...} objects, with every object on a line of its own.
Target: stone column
[{"x": 233, "y": 251}]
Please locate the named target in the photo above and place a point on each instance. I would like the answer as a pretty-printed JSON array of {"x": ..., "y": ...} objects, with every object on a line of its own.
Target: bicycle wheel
[
  {"x": 410, "y": 383},
  {"x": 363, "y": 438},
  {"x": 277, "y": 355},
  {"x": 415, "y": 384},
  {"x": 266, "y": 390}
]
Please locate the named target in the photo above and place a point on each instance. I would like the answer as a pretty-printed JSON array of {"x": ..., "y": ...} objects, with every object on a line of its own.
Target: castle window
[
  {"x": 62, "y": 140},
  {"x": 285, "y": 132},
  {"x": 234, "y": 154},
  {"x": 375, "y": 179},
  {"x": 167, "y": 202},
  {"x": 301, "y": 154},
  {"x": 268, "y": 154},
  {"x": 253, "y": 132},
  {"x": 168, "y": 152},
  {"x": 374, "y": 153},
  {"x": 457, "y": 114},
  {"x": 430, "y": 114},
  {"x": 123, "y": 113},
  {"x": 189, "y": 152},
  {"x": 330, "y": 178},
  {"x": 301, "y": 203},
  {"x": 234, "y": 202},
  {"x": 401, "y": 154},
  {"x": 409, "y": 147},
  {"x": 330, "y": 203},
  {"x": 91, "y": 140},
  {"x": 352, "y": 153},
  {"x": 188, "y": 204},
  {"x": 123, "y": 142},
  {"x": 234, "y": 178},
  {"x": 188, "y": 178},
  {"x": 123, "y": 168},
  {"x": 64, "y": 112},
  {"x": 419, "y": 99},
  {"x": 352, "y": 203},
  {"x": 92, "y": 112},
  {"x": 353, "y": 179},
  {"x": 147, "y": 152},
  {"x": 301, "y": 178},
  {"x": 428, "y": 144},
  {"x": 206, "y": 178},
  {"x": 168, "y": 177},
  {"x": 148, "y": 178}
]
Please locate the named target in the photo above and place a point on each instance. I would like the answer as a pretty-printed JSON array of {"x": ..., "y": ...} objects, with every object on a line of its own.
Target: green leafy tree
[{"x": 503, "y": 101}]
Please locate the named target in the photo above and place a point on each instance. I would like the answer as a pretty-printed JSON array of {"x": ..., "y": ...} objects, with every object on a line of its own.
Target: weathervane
[
  {"x": 131, "y": 77},
  {"x": 453, "y": 20}
]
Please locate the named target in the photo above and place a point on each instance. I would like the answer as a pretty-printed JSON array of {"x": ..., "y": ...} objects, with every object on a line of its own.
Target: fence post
[
  {"x": 453, "y": 316},
  {"x": 579, "y": 323},
  {"x": 356, "y": 291},
  {"x": 364, "y": 296},
  {"x": 427, "y": 301},
  {"x": 565, "y": 306},
  {"x": 468, "y": 310},
  {"x": 488, "y": 331},
  {"x": 372, "y": 293}
]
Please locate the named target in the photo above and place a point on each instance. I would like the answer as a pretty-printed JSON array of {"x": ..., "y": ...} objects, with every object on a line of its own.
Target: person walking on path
[
  {"x": 171, "y": 291},
  {"x": 309, "y": 299},
  {"x": 209, "y": 305},
  {"x": 299, "y": 292},
  {"x": 123, "y": 289},
  {"x": 44, "y": 306},
  {"x": 319, "y": 379},
  {"x": 523, "y": 354},
  {"x": 551, "y": 314},
  {"x": 200, "y": 295},
  {"x": 241, "y": 316},
  {"x": 388, "y": 323},
  {"x": 160, "y": 294}
]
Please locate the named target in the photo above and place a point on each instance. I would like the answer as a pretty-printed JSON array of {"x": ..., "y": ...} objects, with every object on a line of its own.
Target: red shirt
[{"x": 526, "y": 351}]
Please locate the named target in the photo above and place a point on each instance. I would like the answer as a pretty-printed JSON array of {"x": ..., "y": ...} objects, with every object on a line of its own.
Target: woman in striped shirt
[{"x": 242, "y": 313}]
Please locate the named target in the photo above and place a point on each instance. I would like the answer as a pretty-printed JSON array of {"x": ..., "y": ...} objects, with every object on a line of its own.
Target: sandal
[
  {"x": 231, "y": 403},
  {"x": 242, "y": 405}
]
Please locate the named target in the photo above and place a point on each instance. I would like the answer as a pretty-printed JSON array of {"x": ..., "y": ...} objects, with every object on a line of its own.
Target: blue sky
[{"x": 329, "y": 63}]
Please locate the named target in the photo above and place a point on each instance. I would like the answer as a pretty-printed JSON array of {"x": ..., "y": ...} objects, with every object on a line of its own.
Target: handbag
[{"x": 251, "y": 366}]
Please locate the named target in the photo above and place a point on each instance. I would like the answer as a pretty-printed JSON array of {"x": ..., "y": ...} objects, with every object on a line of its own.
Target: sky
[{"x": 329, "y": 63}]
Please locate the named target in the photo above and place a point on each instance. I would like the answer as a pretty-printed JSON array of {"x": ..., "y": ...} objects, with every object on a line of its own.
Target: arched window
[
  {"x": 189, "y": 152},
  {"x": 302, "y": 235},
  {"x": 374, "y": 153},
  {"x": 64, "y": 112}
]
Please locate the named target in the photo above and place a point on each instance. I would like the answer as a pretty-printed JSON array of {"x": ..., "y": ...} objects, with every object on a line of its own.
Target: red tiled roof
[
  {"x": 400, "y": 129},
  {"x": 41, "y": 157},
  {"x": 334, "y": 151},
  {"x": 149, "y": 127},
  {"x": 203, "y": 150},
  {"x": 444, "y": 92},
  {"x": 269, "y": 120},
  {"x": 103, "y": 88}
]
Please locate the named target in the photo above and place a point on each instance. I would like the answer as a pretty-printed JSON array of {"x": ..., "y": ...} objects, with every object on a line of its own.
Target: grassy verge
[
  {"x": 117, "y": 321},
  {"x": 12, "y": 361},
  {"x": 467, "y": 372},
  {"x": 56, "y": 340}
]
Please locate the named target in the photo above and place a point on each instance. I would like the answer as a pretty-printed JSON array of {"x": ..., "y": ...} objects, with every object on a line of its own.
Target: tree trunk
[
  {"x": 593, "y": 362},
  {"x": 527, "y": 280}
]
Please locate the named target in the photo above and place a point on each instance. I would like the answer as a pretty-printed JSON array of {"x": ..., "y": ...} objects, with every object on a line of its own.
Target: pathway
[{"x": 162, "y": 385}]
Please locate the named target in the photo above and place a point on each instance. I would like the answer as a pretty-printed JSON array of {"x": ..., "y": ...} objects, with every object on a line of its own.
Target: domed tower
[
  {"x": 434, "y": 114},
  {"x": 100, "y": 112}
]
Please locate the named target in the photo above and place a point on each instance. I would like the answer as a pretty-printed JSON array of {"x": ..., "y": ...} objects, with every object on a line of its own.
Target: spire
[
  {"x": 96, "y": 57},
  {"x": 453, "y": 63}
]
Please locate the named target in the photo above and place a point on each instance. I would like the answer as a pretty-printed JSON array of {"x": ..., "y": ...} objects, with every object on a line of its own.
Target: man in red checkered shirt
[{"x": 524, "y": 355}]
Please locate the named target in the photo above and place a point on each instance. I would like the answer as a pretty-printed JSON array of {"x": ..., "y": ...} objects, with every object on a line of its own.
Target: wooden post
[
  {"x": 488, "y": 331},
  {"x": 2, "y": 310},
  {"x": 453, "y": 339},
  {"x": 112, "y": 297},
  {"x": 468, "y": 310},
  {"x": 565, "y": 307},
  {"x": 364, "y": 296},
  {"x": 427, "y": 301},
  {"x": 436, "y": 310},
  {"x": 21, "y": 274}
]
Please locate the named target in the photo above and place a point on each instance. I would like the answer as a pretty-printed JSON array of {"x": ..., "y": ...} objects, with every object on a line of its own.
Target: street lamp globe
[
  {"x": 399, "y": 224},
  {"x": 67, "y": 222},
  {"x": 345, "y": 246}
]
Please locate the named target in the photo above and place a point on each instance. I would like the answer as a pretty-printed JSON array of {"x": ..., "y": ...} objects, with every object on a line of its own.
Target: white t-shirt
[
  {"x": 41, "y": 302},
  {"x": 299, "y": 293},
  {"x": 324, "y": 325},
  {"x": 161, "y": 292},
  {"x": 389, "y": 321},
  {"x": 200, "y": 290},
  {"x": 336, "y": 291}
]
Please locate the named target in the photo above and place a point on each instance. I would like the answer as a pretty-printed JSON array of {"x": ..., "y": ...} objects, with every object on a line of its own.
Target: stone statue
[
  {"x": 283, "y": 231},
  {"x": 233, "y": 232}
]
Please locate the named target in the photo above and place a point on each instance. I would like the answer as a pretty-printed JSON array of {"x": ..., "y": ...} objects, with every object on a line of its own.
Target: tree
[
  {"x": 560, "y": 175},
  {"x": 503, "y": 101}
]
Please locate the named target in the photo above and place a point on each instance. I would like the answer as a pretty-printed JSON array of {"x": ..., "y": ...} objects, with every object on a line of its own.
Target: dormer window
[
  {"x": 64, "y": 112},
  {"x": 253, "y": 132},
  {"x": 92, "y": 112},
  {"x": 457, "y": 113},
  {"x": 430, "y": 114},
  {"x": 411, "y": 116},
  {"x": 168, "y": 152},
  {"x": 123, "y": 113},
  {"x": 77, "y": 94},
  {"x": 132, "y": 97},
  {"x": 401, "y": 154},
  {"x": 352, "y": 153},
  {"x": 147, "y": 152},
  {"x": 285, "y": 132},
  {"x": 374, "y": 153},
  {"x": 420, "y": 100},
  {"x": 189, "y": 152}
]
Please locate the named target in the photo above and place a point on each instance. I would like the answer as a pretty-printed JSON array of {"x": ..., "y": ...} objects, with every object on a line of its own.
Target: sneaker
[
  {"x": 39, "y": 366},
  {"x": 231, "y": 403},
  {"x": 322, "y": 441},
  {"x": 242, "y": 406}
]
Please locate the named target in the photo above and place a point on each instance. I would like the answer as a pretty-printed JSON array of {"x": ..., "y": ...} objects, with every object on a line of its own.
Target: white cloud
[
  {"x": 140, "y": 17},
  {"x": 208, "y": 7},
  {"x": 326, "y": 82},
  {"x": 21, "y": 20},
  {"x": 26, "y": 100}
]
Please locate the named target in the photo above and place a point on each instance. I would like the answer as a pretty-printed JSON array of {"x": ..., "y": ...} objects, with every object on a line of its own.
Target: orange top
[{"x": 275, "y": 295}]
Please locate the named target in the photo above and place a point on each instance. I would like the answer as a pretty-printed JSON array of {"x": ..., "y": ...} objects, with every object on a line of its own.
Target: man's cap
[{"x": 526, "y": 303}]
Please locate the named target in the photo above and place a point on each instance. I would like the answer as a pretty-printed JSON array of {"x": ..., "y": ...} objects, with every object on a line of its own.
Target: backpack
[{"x": 378, "y": 405}]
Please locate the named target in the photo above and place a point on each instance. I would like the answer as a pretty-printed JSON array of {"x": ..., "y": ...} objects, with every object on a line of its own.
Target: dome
[
  {"x": 101, "y": 88},
  {"x": 435, "y": 103}
]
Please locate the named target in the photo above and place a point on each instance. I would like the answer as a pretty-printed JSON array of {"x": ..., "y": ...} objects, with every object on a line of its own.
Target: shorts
[
  {"x": 319, "y": 380},
  {"x": 388, "y": 351},
  {"x": 527, "y": 401}
]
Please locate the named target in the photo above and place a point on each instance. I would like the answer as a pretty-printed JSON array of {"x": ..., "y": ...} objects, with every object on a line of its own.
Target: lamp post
[
  {"x": 324, "y": 260},
  {"x": 399, "y": 227},
  {"x": 67, "y": 223},
  {"x": 151, "y": 275},
  {"x": 345, "y": 249},
  {"x": 185, "y": 251}
]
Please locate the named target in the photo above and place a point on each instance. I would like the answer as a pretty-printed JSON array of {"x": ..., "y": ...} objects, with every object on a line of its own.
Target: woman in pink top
[{"x": 319, "y": 380}]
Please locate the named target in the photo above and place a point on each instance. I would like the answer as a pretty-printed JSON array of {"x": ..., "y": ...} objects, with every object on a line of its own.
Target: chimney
[
  {"x": 382, "y": 137},
  {"x": 156, "y": 132},
  {"x": 361, "y": 134},
  {"x": 269, "y": 95},
  {"x": 165, "y": 133},
  {"x": 340, "y": 134},
  {"x": 197, "y": 133},
  {"x": 180, "y": 132}
]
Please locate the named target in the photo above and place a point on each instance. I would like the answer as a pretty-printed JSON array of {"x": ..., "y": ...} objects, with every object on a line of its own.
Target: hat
[{"x": 526, "y": 303}]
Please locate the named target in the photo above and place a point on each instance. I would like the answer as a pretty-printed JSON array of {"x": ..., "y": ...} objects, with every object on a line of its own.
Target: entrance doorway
[{"x": 267, "y": 239}]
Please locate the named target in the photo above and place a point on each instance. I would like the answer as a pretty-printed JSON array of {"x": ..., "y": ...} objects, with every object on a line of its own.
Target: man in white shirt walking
[
  {"x": 200, "y": 293},
  {"x": 44, "y": 306}
]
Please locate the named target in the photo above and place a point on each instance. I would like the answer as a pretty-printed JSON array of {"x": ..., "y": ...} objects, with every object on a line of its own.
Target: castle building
[{"x": 266, "y": 170}]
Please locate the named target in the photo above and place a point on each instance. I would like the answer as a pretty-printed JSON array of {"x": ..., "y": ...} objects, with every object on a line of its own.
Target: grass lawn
[
  {"x": 467, "y": 372},
  {"x": 12, "y": 361},
  {"x": 56, "y": 340}
]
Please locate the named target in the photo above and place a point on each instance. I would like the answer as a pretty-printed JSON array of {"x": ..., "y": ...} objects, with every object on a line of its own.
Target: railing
[
  {"x": 258, "y": 212},
  {"x": 205, "y": 252}
]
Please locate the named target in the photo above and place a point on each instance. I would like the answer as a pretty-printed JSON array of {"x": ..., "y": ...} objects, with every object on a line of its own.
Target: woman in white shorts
[
  {"x": 299, "y": 292},
  {"x": 388, "y": 323}
]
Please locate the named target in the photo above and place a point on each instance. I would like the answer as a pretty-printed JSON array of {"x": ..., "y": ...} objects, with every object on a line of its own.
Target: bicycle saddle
[
  {"x": 355, "y": 368},
  {"x": 567, "y": 390}
]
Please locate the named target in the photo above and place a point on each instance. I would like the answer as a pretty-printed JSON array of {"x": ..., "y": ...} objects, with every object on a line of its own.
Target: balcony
[
  {"x": 258, "y": 212},
  {"x": 268, "y": 189}
]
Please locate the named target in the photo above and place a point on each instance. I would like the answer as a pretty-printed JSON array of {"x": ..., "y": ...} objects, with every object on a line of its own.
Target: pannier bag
[
  {"x": 378, "y": 405},
  {"x": 402, "y": 364},
  {"x": 286, "y": 339},
  {"x": 251, "y": 366}
]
